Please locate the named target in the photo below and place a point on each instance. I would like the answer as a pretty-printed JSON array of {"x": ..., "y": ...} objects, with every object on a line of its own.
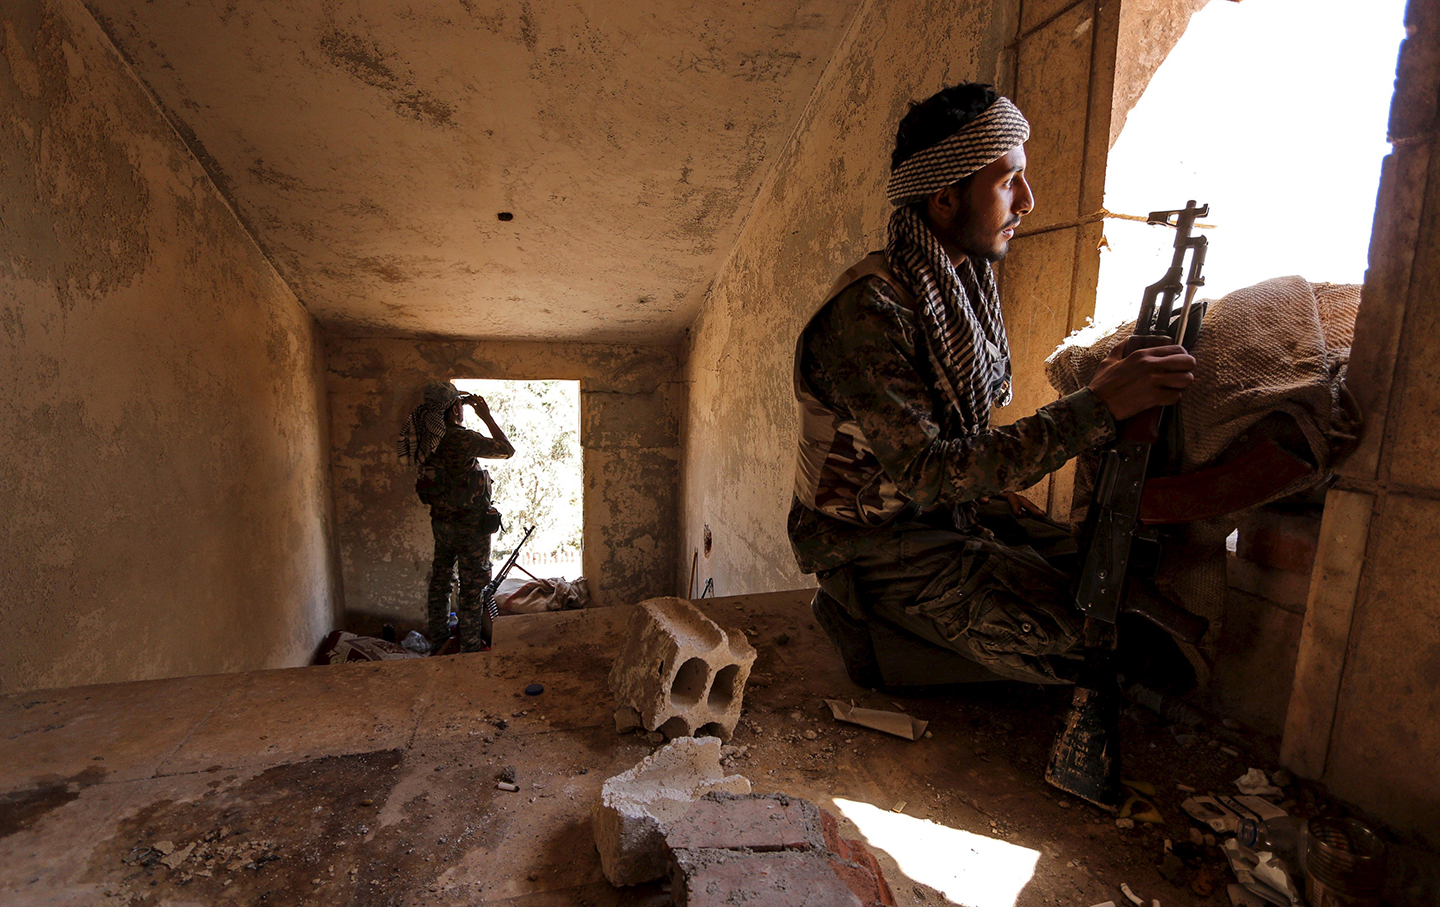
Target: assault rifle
[
  {"x": 489, "y": 610},
  {"x": 1085, "y": 760}
]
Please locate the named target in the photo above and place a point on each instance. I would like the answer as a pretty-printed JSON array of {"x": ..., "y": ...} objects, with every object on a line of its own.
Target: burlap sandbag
[{"x": 1278, "y": 347}]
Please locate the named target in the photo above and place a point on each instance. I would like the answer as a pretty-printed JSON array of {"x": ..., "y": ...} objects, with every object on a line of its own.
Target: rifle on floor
[
  {"x": 1085, "y": 760},
  {"x": 489, "y": 610}
]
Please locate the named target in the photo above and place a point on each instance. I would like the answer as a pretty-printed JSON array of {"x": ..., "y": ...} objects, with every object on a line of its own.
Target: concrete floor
[{"x": 373, "y": 784}]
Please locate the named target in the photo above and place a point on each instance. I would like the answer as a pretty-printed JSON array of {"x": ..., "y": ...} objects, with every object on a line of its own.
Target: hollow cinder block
[{"x": 680, "y": 671}]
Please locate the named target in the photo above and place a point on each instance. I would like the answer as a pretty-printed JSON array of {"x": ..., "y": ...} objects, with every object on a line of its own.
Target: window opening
[
  {"x": 1274, "y": 112},
  {"x": 543, "y": 484}
]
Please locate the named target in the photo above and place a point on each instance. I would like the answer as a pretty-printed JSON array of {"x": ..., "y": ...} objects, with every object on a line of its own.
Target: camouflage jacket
[
  {"x": 452, "y": 481},
  {"x": 880, "y": 446}
]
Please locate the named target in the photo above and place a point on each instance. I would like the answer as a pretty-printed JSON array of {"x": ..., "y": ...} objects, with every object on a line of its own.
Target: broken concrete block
[
  {"x": 768, "y": 849},
  {"x": 759, "y": 823},
  {"x": 635, "y": 805},
  {"x": 712, "y": 878},
  {"x": 680, "y": 671}
]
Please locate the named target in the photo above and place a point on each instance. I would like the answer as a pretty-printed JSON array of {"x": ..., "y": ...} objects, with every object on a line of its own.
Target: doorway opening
[{"x": 543, "y": 484}]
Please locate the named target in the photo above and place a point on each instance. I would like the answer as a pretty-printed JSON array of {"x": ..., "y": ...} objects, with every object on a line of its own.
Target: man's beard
[{"x": 987, "y": 247}]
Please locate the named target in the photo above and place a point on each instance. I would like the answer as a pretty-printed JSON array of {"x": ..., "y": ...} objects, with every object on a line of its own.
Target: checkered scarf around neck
[
  {"x": 959, "y": 307},
  {"x": 426, "y": 426}
]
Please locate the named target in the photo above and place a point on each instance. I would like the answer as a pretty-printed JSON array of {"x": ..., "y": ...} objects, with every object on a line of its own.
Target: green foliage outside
[{"x": 542, "y": 484}]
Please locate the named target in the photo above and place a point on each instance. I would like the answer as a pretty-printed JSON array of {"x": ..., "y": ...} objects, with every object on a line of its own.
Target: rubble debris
[
  {"x": 627, "y": 719},
  {"x": 509, "y": 774},
  {"x": 895, "y": 723},
  {"x": 766, "y": 848},
  {"x": 635, "y": 805},
  {"x": 174, "y": 859},
  {"x": 680, "y": 671}
]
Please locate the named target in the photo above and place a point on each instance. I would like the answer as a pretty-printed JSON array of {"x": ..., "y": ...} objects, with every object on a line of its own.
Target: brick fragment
[
  {"x": 724, "y": 878},
  {"x": 759, "y": 823}
]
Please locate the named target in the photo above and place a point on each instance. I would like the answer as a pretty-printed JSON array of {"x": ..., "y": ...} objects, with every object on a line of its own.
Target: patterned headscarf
[
  {"x": 959, "y": 307},
  {"x": 426, "y": 426}
]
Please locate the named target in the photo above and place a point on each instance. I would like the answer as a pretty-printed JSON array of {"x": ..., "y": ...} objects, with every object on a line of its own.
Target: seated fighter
[{"x": 900, "y": 476}]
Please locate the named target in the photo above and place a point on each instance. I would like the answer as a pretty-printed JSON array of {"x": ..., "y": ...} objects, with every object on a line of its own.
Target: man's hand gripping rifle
[
  {"x": 489, "y": 610},
  {"x": 1085, "y": 760}
]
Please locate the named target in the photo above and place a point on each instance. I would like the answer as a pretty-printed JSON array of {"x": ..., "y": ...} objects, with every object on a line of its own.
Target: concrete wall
[
  {"x": 630, "y": 401},
  {"x": 1365, "y": 710},
  {"x": 164, "y": 476},
  {"x": 822, "y": 208}
]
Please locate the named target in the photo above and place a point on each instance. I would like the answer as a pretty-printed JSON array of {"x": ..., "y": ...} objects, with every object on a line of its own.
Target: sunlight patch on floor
[{"x": 969, "y": 869}]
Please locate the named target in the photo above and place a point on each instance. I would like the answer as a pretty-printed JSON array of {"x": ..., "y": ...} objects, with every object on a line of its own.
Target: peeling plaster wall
[
  {"x": 821, "y": 210},
  {"x": 164, "y": 481},
  {"x": 630, "y": 404},
  {"x": 1364, "y": 712}
]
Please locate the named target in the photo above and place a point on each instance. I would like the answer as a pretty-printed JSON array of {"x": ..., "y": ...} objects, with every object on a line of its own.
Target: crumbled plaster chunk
[{"x": 635, "y": 805}]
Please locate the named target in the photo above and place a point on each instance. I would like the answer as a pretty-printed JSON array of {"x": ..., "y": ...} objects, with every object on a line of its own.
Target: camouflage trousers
[
  {"x": 998, "y": 593},
  {"x": 458, "y": 541}
]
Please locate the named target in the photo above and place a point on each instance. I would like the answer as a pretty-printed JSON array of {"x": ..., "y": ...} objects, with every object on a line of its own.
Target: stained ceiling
[{"x": 537, "y": 169}]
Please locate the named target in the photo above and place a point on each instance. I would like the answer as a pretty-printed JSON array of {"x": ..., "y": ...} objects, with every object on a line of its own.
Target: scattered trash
[
  {"x": 1141, "y": 810},
  {"x": 1256, "y": 783},
  {"x": 1131, "y": 896},
  {"x": 1144, "y": 788},
  {"x": 1185, "y": 787},
  {"x": 1106, "y": 904},
  {"x": 1125, "y": 823},
  {"x": 367, "y": 802},
  {"x": 534, "y": 689},
  {"x": 415, "y": 642},
  {"x": 1280, "y": 835},
  {"x": 1208, "y": 811},
  {"x": 506, "y": 785},
  {"x": 899, "y": 806},
  {"x": 1344, "y": 862},
  {"x": 878, "y": 719},
  {"x": 1230, "y": 751},
  {"x": 1263, "y": 875}
]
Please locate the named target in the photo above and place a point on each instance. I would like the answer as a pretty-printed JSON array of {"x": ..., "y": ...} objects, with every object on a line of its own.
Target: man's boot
[{"x": 851, "y": 637}]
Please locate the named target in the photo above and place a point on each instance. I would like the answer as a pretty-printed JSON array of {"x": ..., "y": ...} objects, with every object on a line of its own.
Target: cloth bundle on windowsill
[{"x": 1270, "y": 362}]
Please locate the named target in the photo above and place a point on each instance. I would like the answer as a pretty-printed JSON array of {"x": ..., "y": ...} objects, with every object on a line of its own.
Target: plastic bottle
[
  {"x": 452, "y": 622},
  {"x": 1284, "y": 836}
]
